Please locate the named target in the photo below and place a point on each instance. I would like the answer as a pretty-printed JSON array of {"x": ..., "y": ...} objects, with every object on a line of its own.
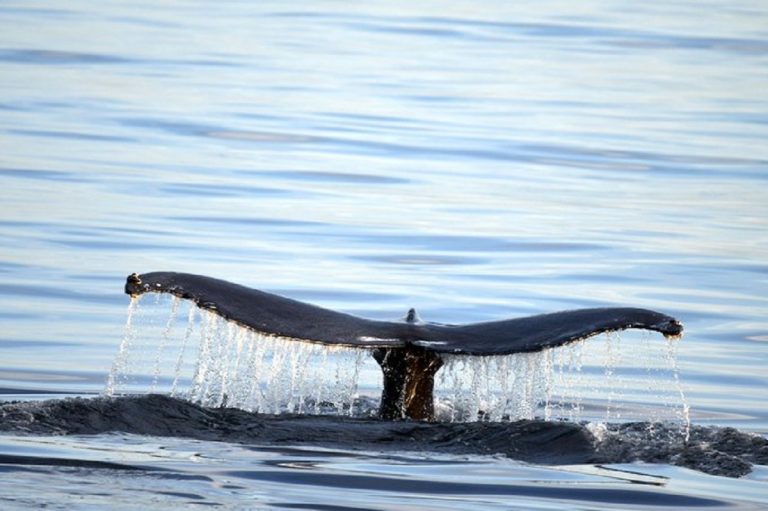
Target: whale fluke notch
[{"x": 408, "y": 351}]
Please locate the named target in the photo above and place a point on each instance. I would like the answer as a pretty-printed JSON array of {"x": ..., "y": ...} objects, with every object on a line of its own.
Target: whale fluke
[{"x": 408, "y": 351}]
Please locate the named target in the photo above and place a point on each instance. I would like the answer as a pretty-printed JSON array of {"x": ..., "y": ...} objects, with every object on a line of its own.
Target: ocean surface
[{"x": 474, "y": 160}]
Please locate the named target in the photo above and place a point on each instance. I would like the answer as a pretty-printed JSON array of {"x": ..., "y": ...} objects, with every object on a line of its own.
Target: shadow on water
[{"x": 412, "y": 486}]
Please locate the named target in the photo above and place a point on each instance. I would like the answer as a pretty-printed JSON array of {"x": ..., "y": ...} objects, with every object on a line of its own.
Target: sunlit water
[{"x": 474, "y": 160}]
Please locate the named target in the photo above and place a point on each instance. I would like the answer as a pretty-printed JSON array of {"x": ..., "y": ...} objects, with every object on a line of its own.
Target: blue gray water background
[{"x": 473, "y": 160}]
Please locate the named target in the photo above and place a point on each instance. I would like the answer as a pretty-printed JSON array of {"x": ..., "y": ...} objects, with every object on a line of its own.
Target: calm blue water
[{"x": 473, "y": 160}]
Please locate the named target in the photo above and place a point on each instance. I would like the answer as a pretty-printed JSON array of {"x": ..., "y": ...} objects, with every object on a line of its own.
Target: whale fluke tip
[
  {"x": 672, "y": 330},
  {"x": 133, "y": 285}
]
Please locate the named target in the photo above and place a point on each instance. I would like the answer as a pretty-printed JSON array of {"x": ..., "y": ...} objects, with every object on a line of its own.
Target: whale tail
[{"x": 409, "y": 351}]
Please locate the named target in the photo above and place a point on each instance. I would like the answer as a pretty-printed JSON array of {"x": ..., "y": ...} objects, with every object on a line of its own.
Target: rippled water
[
  {"x": 190, "y": 473},
  {"x": 473, "y": 160}
]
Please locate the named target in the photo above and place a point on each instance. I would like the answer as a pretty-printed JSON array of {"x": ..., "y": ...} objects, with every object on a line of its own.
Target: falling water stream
[
  {"x": 230, "y": 365},
  {"x": 473, "y": 160},
  {"x": 178, "y": 349}
]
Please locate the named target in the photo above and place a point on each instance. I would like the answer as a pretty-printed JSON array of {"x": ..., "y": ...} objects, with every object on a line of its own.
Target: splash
[
  {"x": 493, "y": 388},
  {"x": 684, "y": 413},
  {"x": 185, "y": 342},
  {"x": 196, "y": 355},
  {"x": 612, "y": 361},
  {"x": 165, "y": 340},
  {"x": 599, "y": 380},
  {"x": 120, "y": 364},
  {"x": 233, "y": 366}
]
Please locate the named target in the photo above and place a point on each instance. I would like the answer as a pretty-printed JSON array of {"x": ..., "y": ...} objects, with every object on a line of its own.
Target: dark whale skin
[{"x": 283, "y": 317}]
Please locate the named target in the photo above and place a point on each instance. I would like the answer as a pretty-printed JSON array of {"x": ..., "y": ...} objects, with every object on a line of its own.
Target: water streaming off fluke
[
  {"x": 215, "y": 363},
  {"x": 173, "y": 347}
]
